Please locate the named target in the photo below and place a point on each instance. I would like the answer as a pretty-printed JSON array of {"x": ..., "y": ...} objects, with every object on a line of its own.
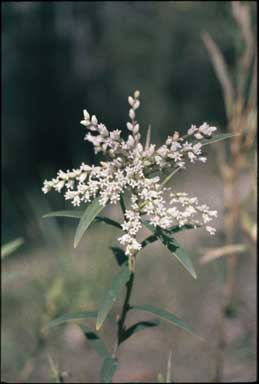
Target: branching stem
[{"x": 168, "y": 178}]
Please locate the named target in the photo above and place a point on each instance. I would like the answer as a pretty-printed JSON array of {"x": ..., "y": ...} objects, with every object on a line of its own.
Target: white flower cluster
[{"x": 130, "y": 166}]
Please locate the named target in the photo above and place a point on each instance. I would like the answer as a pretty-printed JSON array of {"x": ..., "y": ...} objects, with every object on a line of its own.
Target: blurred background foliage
[{"x": 57, "y": 59}]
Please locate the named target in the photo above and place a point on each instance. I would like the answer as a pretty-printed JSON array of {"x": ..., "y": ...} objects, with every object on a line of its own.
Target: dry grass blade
[
  {"x": 214, "y": 253},
  {"x": 221, "y": 70},
  {"x": 252, "y": 98},
  {"x": 242, "y": 15},
  {"x": 169, "y": 368}
]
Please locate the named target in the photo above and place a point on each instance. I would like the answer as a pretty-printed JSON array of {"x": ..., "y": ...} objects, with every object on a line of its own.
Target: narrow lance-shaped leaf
[
  {"x": 165, "y": 315},
  {"x": 113, "y": 292},
  {"x": 140, "y": 326},
  {"x": 88, "y": 217},
  {"x": 109, "y": 221},
  {"x": 69, "y": 213},
  {"x": 148, "y": 240},
  {"x": 216, "y": 138},
  {"x": 174, "y": 229},
  {"x": 9, "y": 248},
  {"x": 72, "y": 316},
  {"x": 75, "y": 214},
  {"x": 177, "y": 228},
  {"x": 119, "y": 255},
  {"x": 180, "y": 253},
  {"x": 174, "y": 248},
  {"x": 108, "y": 369},
  {"x": 96, "y": 342}
]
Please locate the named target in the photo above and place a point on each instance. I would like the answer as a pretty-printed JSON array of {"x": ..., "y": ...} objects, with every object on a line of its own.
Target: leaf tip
[{"x": 98, "y": 326}]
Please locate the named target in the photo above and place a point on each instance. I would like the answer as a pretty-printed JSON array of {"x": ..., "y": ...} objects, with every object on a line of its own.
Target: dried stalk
[{"x": 241, "y": 116}]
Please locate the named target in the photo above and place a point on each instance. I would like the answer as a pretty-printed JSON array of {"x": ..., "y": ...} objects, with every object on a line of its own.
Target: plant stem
[
  {"x": 124, "y": 311},
  {"x": 125, "y": 308},
  {"x": 168, "y": 178},
  {"x": 122, "y": 203}
]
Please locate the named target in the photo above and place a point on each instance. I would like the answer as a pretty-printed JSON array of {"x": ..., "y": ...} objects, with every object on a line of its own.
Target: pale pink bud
[
  {"x": 176, "y": 136},
  {"x": 86, "y": 114},
  {"x": 94, "y": 120},
  {"x": 136, "y": 129},
  {"x": 140, "y": 147},
  {"x": 129, "y": 126},
  {"x": 131, "y": 100},
  {"x": 198, "y": 136},
  {"x": 136, "y": 104},
  {"x": 132, "y": 114},
  {"x": 85, "y": 123},
  {"x": 131, "y": 141}
]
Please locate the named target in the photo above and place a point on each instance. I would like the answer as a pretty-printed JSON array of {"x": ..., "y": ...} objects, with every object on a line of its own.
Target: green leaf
[
  {"x": 148, "y": 240},
  {"x": 11, "y": 247},
  {"x": 78, "y": 214},
  {"x": 180, "y": 253},
  {"x": 109, "y": 221},
  {"x": 96, "y": 342},
  {"x": 141, "y": 325},
  {"x": 216, "y": 138},
  {"x": 88, "y": 217},
  {"x": 108, "y": 369},
  {"x": 70, "y": 317},
  {"x": 177, "y": 228},
  {"x": 117, "y": 284},
  {"x": 174, "y": 229},
  {"x": 174, "y": 247},
  {"x": 73, "y": 214},
  {"x": 119, "y": 255},
  {"x": 165, "y": 315}
]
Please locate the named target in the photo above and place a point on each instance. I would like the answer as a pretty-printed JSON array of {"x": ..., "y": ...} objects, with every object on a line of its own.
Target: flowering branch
[{"x": 129, "y": 166}]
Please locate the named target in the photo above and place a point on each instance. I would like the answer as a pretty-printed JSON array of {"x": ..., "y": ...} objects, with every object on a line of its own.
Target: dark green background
[{"x": 61, "y": 57}]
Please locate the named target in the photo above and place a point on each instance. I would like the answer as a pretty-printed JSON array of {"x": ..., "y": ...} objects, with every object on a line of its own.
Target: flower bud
[
  {"x": 132, "y": 114},
  {"x": 136, "y": 104},
  {"x": 136, "y": 94},
  {"x": 198, "y": 136},
  {"x": 176, "y": 136},
  {"x": 140, "y": 147},
  {"x": 136, "y": 129},
  {"x": 131, "y": 100},
  {"x": 85, "y": 123},
  {"x": 129, "y": 126},
  {"x": 94, "y": 120},
  {"x": 131, "y": 141},
  {"x": 86, "y": 114}
]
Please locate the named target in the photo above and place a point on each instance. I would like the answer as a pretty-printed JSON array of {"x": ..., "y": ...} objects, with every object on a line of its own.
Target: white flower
[
  {"x": 192, "y": 129},
  {"x": 206, "y": 129},
  {"x": 198, "y": 136},
  {"x": 130, "y": 167},
  {"x": 211, "y": 230}
]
